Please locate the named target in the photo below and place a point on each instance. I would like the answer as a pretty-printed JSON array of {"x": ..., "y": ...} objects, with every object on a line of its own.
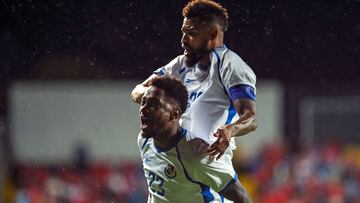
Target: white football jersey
[
  {"x": 180, "y": 174},
  {"x": 212, "y": 90}
]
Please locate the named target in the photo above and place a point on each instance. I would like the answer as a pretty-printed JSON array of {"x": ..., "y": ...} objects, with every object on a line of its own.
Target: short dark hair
[
  {"x": 207, "y": 11},
  {"x": 173, "y": 89}
]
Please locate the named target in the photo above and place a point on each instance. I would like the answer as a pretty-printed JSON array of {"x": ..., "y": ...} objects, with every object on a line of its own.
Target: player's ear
[
  {"x": 175, "y": 114},
  {"x": 214, "y": 31}
]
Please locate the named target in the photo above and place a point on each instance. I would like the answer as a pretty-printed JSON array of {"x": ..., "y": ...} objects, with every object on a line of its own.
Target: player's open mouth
[
  {"x": 145, "y": 122},
  {"x": 144, "y": 127},
  {"x": 187, "y": 52}
]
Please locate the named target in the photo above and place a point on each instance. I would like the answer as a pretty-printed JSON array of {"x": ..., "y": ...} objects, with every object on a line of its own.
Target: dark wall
[
  {"x": 310, "y": 46},
  {"x": 128, "y": 39}
]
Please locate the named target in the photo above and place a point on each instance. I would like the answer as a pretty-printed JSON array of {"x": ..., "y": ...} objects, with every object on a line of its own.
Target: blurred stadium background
[{"x": 68, "y": 128}]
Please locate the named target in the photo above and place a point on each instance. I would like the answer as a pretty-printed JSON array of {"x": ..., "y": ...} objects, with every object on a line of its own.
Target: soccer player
[
  {"x": 174, "y": 169},
  {"x": 220, "y": 85}
]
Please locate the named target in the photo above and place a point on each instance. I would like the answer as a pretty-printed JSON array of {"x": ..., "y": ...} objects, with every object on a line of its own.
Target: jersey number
[
  {"x": 193, "y": 96},
  {"x": 156, "y": 183}
]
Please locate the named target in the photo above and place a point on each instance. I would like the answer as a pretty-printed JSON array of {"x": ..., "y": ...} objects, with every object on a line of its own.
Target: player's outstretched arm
[
  {"x": 237, "y": 193},
  {"x": 246, "y": 109},
  {"x": 139, "y": 90}
]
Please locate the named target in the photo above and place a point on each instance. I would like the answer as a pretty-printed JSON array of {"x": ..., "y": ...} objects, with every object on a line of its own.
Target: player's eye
[
  {"x": 187, "y": 32},
  {"x": 152, "y": 103},
  {"x": 192, "y": 34},
  {"x": 143, "y": 102}
]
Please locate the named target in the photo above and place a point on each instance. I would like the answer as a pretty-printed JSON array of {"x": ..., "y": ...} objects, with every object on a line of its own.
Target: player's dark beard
[{"x": 195, "y": 55}]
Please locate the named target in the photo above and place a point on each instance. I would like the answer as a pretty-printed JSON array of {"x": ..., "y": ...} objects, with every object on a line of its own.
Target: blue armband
[{"x": 242, "y": 91}]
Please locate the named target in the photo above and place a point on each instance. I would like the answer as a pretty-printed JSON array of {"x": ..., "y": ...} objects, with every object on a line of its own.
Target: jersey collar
[{"x": 182, "y": 132}]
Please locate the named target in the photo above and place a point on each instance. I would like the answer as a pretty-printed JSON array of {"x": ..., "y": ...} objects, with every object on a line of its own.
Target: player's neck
[
  {"x": 205, "y": 61},
  {"x": 168, "y": 137},
  {"x": 218, "y": 42}
]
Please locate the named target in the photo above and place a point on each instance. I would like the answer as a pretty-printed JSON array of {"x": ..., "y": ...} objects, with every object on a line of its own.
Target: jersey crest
[{"x": 170, "y": 171}]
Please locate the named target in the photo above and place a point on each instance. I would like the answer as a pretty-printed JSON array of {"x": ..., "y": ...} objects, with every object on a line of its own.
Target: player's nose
[
  {"x": 144, "y": 110},
  {"x": 184, "y": 40},
  {"x": 184, "y": 46}
]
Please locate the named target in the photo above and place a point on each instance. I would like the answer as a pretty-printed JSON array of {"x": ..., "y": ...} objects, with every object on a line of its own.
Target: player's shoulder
[
  {"x": 189, "y": 137},
  {"x": 232, "y": 57},
  {"x": 175, "y": 67},
  {"x": 177, "y": 61},
  {"x": 228, "y": 57},
  {"x": 187, "y": 134},
  {"x": 180, "y": 57},
  {"x": 190, "y": 145},
  {"x": 232, "y": 60},
  {"x": 142, "y": 142}
]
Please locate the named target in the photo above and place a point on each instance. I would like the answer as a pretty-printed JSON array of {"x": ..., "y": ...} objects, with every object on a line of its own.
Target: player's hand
[
  {"x": 138, "y": 92},
  {"x": 218, "y": 148}
]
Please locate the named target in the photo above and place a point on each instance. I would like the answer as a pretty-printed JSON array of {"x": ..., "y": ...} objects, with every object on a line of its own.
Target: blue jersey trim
[
  {"x": 231, "y": 110},
  {"x": 242, "y": 91},
  {"x": 218, "y": 66},
  {"x": 182, "y": 134},
  {"x": 205, "y": 190},
  {"x": 222, "y": 198},
  {"x": 183, "y": 131},
  {"x": 229, "y": 184},
  {"x": 159, "y": 71},
  {"x": 231, "y": 114},
  {"x": 182, "y": 70},
  {"x": 146, "y": 140}
]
